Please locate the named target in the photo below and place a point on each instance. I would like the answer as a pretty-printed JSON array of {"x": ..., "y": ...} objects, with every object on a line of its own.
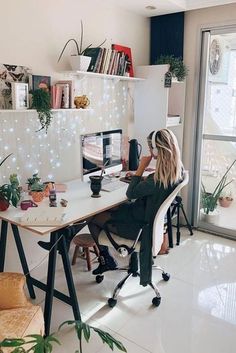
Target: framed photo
[
  {"x": 38, "y": 81},
  {"x": 20, "y": 95}
]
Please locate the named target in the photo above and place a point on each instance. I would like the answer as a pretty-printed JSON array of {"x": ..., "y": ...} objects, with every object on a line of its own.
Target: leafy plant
[
  {"x": 177, "y": 67},
  {"x": 11, "y": 192},
  {"x": 209, "y": 200},
  {"x": 79, "y": 46},
  {"x": 45, "y": 345},
  {"x": 35, "y": 179},
  {"x": 37, "y": 187},
  {"x": 41, "y": 101}
]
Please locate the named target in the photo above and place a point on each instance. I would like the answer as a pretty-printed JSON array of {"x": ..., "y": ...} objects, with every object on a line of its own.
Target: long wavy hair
[{"x": 169, "y": 166}]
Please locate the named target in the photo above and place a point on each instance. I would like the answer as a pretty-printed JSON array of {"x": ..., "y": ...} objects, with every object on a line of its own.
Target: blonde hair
[{"x": 168, "y": 164}]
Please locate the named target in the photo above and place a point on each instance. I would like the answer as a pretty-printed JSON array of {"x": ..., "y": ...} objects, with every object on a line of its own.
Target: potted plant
[
  {"x": 79, "y": 61},
  {"x": 37, "y": 192},
  {"x": 177, "y": 68},
  {"x": 41, "y": 344},
  {"x": 10, "y": 193},
  {"x": 225, "y": 199},
  {"x": 34, "y": 179},
  {"x": 41, "y": 101},
  {"x": 209, "y": 200}
]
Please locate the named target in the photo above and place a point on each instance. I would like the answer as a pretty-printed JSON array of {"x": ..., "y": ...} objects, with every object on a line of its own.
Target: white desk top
[{"x": 80, "y": 206}]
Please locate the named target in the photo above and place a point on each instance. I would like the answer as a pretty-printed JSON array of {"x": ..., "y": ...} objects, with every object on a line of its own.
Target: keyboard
[{"x": 112, "y": 185}]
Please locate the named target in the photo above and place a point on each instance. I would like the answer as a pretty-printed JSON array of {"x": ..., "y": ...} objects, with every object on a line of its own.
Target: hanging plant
[
  {"x": 177, "y": 67},
  {"x": 41, "y": 101}
]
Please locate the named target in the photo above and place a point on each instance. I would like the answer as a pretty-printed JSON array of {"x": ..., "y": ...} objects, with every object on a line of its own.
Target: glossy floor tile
[{"x": 197, "y": 312}]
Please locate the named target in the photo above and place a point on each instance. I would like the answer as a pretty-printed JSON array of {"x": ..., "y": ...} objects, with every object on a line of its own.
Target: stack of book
[
  {"x": 62, "y": 94},
  {"x": 114, "y": 61}
]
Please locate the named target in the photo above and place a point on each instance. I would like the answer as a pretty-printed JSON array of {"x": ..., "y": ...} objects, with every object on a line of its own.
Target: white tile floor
[{"x": 197, "y": 313}]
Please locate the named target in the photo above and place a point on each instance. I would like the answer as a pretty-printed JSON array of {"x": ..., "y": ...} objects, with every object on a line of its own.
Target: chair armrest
[{"x": 12, "y": 293}]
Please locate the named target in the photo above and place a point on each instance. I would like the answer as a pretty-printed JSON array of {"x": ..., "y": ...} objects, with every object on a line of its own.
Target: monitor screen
[{"x": 101, "y": 149}]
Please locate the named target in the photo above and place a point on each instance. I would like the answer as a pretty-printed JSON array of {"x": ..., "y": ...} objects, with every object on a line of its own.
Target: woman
[{"x": 149, "y": 193}]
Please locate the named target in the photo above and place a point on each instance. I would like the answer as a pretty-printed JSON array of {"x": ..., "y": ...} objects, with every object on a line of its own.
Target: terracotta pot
[
  {"x": 37, "y": 196},
  {"x": 225, "y": 201},
  {"x": 4, "y": 204}
]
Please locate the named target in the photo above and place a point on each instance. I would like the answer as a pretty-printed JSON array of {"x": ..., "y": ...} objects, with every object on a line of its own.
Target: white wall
[
  {"x": 194, "y": 21},
  {"x": 32, "y": 34}
]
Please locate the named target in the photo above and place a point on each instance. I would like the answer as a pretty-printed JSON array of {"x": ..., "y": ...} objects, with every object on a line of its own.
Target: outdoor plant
[
  {"x": 45, "y": 345},
  {"x": 78, "y": 45},
  {"x": 209, "y": 200},
  {"x": 177, "y": 67},
  {"x": 41, "y": 101}
]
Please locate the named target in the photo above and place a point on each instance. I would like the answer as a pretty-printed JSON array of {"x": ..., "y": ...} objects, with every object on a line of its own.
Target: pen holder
[{"x": 96, "y": 185}]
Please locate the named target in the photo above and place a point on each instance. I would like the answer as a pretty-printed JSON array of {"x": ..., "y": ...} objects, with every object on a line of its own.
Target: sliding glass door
[{"x": 215, "y": 196}]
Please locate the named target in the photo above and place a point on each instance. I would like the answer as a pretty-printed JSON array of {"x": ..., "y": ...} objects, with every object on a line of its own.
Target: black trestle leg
[
  {"x": 3, "y": 241},
  {"x": 178, "y": 228},
  {"x": 169, "y": 228},
  {"x": 23, "y": 260},
  {"x": 69, "y": 279},
  {"x": 50, "y": 282},
  {"x": 186, "y": 220}
]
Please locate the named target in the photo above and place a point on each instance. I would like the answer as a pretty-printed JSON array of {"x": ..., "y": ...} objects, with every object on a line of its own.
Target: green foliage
[
  {"x": 209, "y": 200},
  {"x": 79, "y": 46},
  {"x": 37, "y": 187},
  {"x": 35, "y": 179},
  {"x": 177, "y": 67},
  {"x": 41, "y": 101},
  {"x": 11, "y": 192},
  {"x": 41, "y": 344}
]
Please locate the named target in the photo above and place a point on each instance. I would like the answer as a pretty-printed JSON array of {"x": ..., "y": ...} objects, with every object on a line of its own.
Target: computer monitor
[{"x": 101, "y": 149}]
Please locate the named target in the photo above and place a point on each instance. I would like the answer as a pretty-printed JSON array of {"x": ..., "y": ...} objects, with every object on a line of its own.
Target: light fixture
[{"x": 150, "y": 7}]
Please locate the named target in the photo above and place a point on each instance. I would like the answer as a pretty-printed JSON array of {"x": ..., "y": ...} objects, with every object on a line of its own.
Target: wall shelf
[
  {"x": 99, "y": 75},
  {"x": 53, "y": 110}
]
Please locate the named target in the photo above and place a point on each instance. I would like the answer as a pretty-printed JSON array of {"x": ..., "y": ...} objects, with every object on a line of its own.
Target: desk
[{"x": 80, "y": 206}]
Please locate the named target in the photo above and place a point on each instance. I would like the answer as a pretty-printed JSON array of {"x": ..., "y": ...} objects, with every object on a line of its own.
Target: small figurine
[
  {"x": 81, "y": 102},
  {"x": 63, "y": 202}
]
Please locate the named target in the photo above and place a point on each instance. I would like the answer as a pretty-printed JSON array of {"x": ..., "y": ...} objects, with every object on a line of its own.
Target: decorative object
[
  {"x": 63, "y": 203},
  {"x": 25, "y": 204},
  {"x": 9, "y": 74},
  {"x": 79, "y": 61},
  {"x": 44, "y": 344},
  {"x": 96, "y": 185},
  {"x": 10, "y": 192},
  {"x": 39, "y": 82},
  {"x": 37, "y": 192},
  {"x": 225, "y": 201},
  {"x": 81, "y": 102},
  {"x": 20, "y": 95},
  {"x": 219, "y": 56},
  {"x": 41, "y": 101},
  {"x": 209, "y": 200},
  {"x": 177, "y": 68}
]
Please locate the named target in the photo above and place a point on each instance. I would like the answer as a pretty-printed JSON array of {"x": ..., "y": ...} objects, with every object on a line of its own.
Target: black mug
[{"x": 96, "y": 185}]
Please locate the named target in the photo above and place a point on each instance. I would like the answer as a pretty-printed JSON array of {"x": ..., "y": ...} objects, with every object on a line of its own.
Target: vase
[
  {"x": 211, "y": 217},
  {"x": 80, "y": 62},
  {"x": 37, "y": 196},
  {"x": 96, "y": 185},
  {"x": 225, "y": 201},
  {"x": 4, "y": 204}
]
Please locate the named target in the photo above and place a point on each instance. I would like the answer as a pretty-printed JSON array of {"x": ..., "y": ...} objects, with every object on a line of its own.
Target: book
[
  {"x": 38, "y": 81},
  {"x": 94, "y": 54},
  {"x": 128, "y": 58},
  {"x": 71, "y": 84},
  {"x": 65, "y": 95}
]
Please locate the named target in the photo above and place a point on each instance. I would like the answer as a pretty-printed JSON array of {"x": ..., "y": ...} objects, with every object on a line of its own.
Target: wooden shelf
[
  {"x": 105, "y": 76},
  {"x": 34, "y": 110}
]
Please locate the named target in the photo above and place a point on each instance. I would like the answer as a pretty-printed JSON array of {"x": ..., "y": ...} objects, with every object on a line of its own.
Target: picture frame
[{"x": 20, "y": 95}]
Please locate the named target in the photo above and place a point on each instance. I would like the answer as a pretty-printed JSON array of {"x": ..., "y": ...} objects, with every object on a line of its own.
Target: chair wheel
[
  {"x": 99, "y": 278},
  {"x": 156, "y": 301},
  {"x": 112, "y": 302},
  {"x": 166, "y": 276}
]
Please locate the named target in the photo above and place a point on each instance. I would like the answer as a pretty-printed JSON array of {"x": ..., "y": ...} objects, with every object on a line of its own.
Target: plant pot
[
  {"x": 80, "y": 62},
  {"x": 225, "y": 201},
  {"x": 4, "y": 204},
  {"x": 211, "y": 217},
  {"x": 37, "y": 196}
]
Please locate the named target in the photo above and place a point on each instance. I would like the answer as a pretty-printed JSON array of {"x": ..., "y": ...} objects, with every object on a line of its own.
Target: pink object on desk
[{"x": 26, "y": 204}]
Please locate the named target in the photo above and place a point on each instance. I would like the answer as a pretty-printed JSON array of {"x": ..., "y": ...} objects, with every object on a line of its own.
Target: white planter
[
  {"x": 211, "y": 217},
  {"x": 79, "y": 62}
]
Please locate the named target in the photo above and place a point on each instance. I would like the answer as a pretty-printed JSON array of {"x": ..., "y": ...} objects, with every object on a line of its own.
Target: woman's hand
[{"x": 144, "y": 162}]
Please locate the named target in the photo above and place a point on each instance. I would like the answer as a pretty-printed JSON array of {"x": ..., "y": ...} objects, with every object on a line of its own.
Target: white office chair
[{"x": 127, "y": 247}]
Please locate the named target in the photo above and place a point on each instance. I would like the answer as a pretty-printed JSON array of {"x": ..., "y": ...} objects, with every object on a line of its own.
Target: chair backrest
[{"x": 158, "y": 224}]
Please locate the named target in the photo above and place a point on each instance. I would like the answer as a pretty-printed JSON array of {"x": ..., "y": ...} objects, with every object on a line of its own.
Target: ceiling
[{"x": 167, "y": 6}]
